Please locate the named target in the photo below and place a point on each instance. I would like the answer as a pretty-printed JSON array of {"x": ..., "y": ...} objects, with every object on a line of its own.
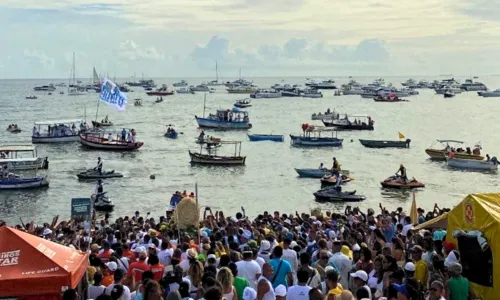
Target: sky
[{"x": 166, "y": 38}]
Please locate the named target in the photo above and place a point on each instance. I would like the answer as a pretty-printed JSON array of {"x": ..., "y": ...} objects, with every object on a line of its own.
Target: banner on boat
[
  {"x": 81, "y": 209},
  {"x": 111, "y": 94}
]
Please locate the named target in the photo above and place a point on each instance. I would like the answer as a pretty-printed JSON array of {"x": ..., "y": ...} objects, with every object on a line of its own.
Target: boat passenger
[
  {"x": 82, "y": 127},
  {"x": 73, "y": 128},
  {"x": 99, "y": 190},
  {"x": 321, "y": 166},
  {"x": 402, "y": 170},
  {"x": 201, "y": 137},
  {"x": 488, "y": 157},
  {"x": 124, "y": 134},
  {"x": 110, "y": 137},
  {"x": 34, "y": 132},
  {"x": 5, "y": 171},
  {"x": 176, "y": 198},
  {"x": 468, "y": 151},
  {"x": 335, "y": 166},
  {"x": 476, "y": 151},
  {"x": 106, "y": 119},
  {"x": 132, "y": 133},
  {"x": 99, "y": 165}
]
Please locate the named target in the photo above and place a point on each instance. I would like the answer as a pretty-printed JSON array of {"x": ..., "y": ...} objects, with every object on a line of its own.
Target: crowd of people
[{"x": 353, "y": 255}]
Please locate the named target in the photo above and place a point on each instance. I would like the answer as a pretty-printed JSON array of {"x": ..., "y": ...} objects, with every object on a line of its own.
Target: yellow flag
[{"x": 401, "y": 136}]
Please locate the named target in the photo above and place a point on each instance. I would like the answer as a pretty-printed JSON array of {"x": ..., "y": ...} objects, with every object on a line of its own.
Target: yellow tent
[
  {"x": 440, "y": 221},
  {"x": 480, "y": 212}
]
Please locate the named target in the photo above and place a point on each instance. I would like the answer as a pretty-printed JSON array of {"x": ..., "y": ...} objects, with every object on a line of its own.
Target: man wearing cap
[
  {"x": 421, "y": 270},
  {"x": 108, "y": 273},
  {"x": 137, "y": 268},
  {"x": 360, "y": 279},
  {"x": 409, "y": 270}
]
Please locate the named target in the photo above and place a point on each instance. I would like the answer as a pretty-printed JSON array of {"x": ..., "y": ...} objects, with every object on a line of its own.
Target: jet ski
[
  {"x": 102, "y": 202},
  {"x": 329, "y": 180},
  {"x": 94, "y": 174},
  {"x": 333, "y": 194},
  {"x": 398, "y": 182}
]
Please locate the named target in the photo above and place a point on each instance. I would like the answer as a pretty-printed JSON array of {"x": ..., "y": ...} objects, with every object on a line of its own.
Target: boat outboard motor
[{"x": 45, "y": 164}]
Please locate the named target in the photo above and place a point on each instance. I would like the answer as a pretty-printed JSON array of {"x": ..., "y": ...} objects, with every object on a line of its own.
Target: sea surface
[{"x": 268, "y": 181}]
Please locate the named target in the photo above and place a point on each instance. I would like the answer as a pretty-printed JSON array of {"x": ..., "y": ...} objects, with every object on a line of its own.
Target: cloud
[
  {"x": 129, "y": 50},
  {"x": 37, "y": 58},
  {"x": 483, "y": 9}
]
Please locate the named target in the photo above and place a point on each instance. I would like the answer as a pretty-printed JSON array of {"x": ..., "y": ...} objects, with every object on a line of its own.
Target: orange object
[{"x": 31, "y": 266}]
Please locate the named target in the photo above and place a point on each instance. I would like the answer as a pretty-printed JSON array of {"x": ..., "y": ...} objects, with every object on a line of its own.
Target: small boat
[
  {"x": 398, "y": 183},
  {"x": 449, "y": 94},
  {"x": 489, "y": 94},
  {"x": 389, "y": 98},
  {"x": 473, "y": 164},
  {"x": 225, "y": 119},
  {"x": 16, "y": 183},
  {"x": 137, "y": 102},
  {"x": 329, "y": 180},
  {"x": 327, "y": 115},
  {"x": 213, "y": 159},
  {"x": 312, "y": 93},
  {"x": 159, "y": 100},
  {"x": 98, "y": 141},
  {"x": 22, "y": 157},
  {"x": 50, "y": 94},
  {"x": 265, "y": 137},
  {"x": 242, "y": 89},
  {"x": 48, "y": 88},
  {"x": 184, "y": 91},
  {"x": 163, "y": 91},
  {"x": 291, "y": 92},
  {"x": 61, "y": 93},
  {"x": 31, "y": 97},
  {"x": 323, "y": 85},
  {"x": 313, "y": 173},
  {"x": 102, "y": 202},
  {"x": 311, "y": 137},
  {"x": 103, "y": 123},
  {"x": 181, "y": 83},
  {"x": 171, "y": 133},
  {"x": 199, "y": 88},
  {"x": 385, "y": 144},
  {"x": 332, "y": 194},
  {"x": 243, "y": 103},
  {"x": 261, "y": 94},
  {"x": 443, "y": 153},
  {"x": 14, "y": 129},
  {"x": 346, "y": 124},
  {"x": 57, "y": 131},
  {"x": 94, "y": 174}
]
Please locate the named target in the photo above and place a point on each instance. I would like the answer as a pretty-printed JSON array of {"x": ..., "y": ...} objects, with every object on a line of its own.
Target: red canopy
[{"x": 30, "y": 265}]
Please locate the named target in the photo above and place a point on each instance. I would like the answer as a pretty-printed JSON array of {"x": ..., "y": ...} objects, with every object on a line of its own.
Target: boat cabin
[
  {"x": 59, "y": 128},
  {"x": 229, "y": 115},
  {"x": 17, "y": 152}
]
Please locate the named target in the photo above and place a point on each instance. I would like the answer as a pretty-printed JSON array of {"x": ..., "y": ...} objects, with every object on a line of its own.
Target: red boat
[
  {"x": 163, "y": 91},
  {"x": 390, "y": 98},
  {"x": 397, "y": 182},
  {"x": 98, "y": 141}
]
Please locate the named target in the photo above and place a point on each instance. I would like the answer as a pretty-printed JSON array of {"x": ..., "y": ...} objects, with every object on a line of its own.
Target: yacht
[
  {"x": 409, "y": 82},
  {"x": 353, "y": 90},
  {"x": 312, "y": 93},
  {"x": 490, "y": 94},
  {"x": 470, "y": 85},
  {"x": 182, "y": 83},
  {"x": 324, "y": 85},
  {"x": 49, "y": 88},
  {"x": 200, "y": 88},
  {"x": 242, "y": 89}
]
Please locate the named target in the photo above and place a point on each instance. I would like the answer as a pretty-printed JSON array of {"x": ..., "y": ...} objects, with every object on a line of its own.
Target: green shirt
[
  {"x": 459, "y": 288},
  {"x": 240, "y": 284}
]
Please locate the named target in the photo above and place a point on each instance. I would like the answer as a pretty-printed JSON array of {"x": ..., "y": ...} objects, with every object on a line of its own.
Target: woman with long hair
[
  {"x": 225, "y": 277},
  {"x": 195, "y": 274},
  {"x": 365, "y": 260},
  {"x": 153, "y": 291},
  {"x": 376, "y": 276}
]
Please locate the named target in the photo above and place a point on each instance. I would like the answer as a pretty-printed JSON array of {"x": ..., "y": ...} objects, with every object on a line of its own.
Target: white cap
[
  {"x": 372, "y": 227},
  {"x": 247, "y": 234},
  {"x": 287, "y": 221},
  {"x": 293, "y": 244},
  {"x": 280, "y": 290},
  {"x": 211, "y": 256},
  {"x": 47, "y": 231},
  {"x": 332, "y": 234},
  {"x": 361, "y": 275},
  {"x": 60, "y": 235},
  {"x": 356, "y": 247},
  {"x": 139, "y": 249},
  {"x": 203, "y": 234},
  {"x": 329, "y": 268},
  {"x": 112, "y": 266},
  {"x": 249, "y": 294},
  {"x": 317, "y": 223},
  {"x": 265, "y": 245},
  {"x": 410, "y": 267}
]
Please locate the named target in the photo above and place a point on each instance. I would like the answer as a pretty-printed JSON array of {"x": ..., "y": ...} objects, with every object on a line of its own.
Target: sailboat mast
[
  {"x": 204, "y": 104},
  {"x": 74, "y": 69},
  {"x": 216, "y": 72}
]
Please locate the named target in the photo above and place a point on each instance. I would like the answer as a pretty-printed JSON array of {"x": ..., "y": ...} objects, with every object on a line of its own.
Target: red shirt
[
  {"x": 158, "y": 271},
  {"x": 136, "y": 269},
  {"x": 105, "y": 255}
]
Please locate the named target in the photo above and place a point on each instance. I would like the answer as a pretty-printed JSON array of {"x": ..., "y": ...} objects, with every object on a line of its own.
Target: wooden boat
[
  {"x": 442, "y": 154},
  {"x": 473, "y": 164},
  {"x": 313, "y": 173},
  {"x": 332, "y": 194},
  {"x": 226, "y": 119},
  {"x": 16, "y": 158},
  {"x": 385, "y": 144},
  {"x": 311, "y": 137},
  {"x": 163, "y": 91},
  {"x": 57, "y": 131},
  {"x": 398, "y": 183},
  {"x": 98, "y": 141},
  {"x": 265, "y": 137},
  {"x": 346, "y": 124},
  {"x": 213, "y": 159},
  {"x": 16, "y": 183},
  {"x": 93, "y": 174}
]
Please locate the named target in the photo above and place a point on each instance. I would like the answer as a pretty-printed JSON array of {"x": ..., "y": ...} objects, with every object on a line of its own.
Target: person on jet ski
[
  {"x": 99, "y": 165},
  {"x": 335, "y": 166},
  {"x": 402, "y": 171},
  {"x": 99, "y": 190},
  {"x": 339, "y": 182}
]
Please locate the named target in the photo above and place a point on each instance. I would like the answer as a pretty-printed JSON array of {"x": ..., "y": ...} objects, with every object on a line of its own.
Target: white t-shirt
[
  {"x": 260, "y": 261},
  {"x": 165, "y": 256},
  {"x": 249, "y": 270},
  {"x": 123, "y": 264},
  {"x": 298, "y": 292},
  {"x": 291, "y": 256},
  {"x": 126, "y": 292},
  {"x": 95, "y": 291},
  {"x": 406, "y": 228},
  {"x": 184, "y": 265}
]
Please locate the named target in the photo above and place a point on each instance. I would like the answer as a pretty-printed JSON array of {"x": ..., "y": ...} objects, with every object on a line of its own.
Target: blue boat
[
  {"x": 311, "y": 137},
  {"x": 313, "y": 173},
  {"x": 266, "y": 137},
  {"x": 16, "y": 183},
  {"x": 226, "y": 119},
  {"x": 172, "y": 134}
]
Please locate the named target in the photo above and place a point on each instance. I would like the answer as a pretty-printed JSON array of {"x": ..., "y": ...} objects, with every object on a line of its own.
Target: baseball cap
[
  {"x": 410, "y": 267},
  {"x": 361, "y": 275},
  {"x": 416, "y": 248},
  {"x": 280, "y": 291},
  {"x": 112, "y": 266},
  {"x": 211, "y": 256}
]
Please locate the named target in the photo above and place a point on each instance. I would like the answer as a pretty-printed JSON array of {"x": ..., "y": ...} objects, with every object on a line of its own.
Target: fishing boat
[
  {"x": 243, "y": 103},
  {"x": 92, "y": 174},
  {"x": 449, "y": 94},
  {"x": 226, "y": 119},
  {"x": 13, "y": 128},
  {"x": 459, "y": 152},
  {"x": 163, "y": 91},
  {"x": 346, "y": 124},
  {"x": 261, "y": 94},
  {"x": 104, "y": 123},
  {"x": 327, "y": 115},
  {"x": 17, "y": 183},
  {"x": 389, "y": 98},
  {"x": 333, "y": 194},
  {"x": 398, "y": 182},
  {"x": 211, "y": 158},
  {"x": 311, "y": 137},
  {"x": 182, "y": 83},
  {"x": 171, "y": 133},
  {"x": 22, "y": 157},
  {"x": 184, "y": 91},
  {"x": 265, "y": 137},
  {"x": 58, "y": 131},
  {"x": 311, "y": 93},
  {"x": 313, "y": 173},
  {"x": 31, "y": 97},
  {"x": 138, "y": 102},
  {"x": 98, "y": 140},
  {"x": 210, "y": 141},
  {"x": 385, "y": 144},
  {"x": 473, "y": 164}
]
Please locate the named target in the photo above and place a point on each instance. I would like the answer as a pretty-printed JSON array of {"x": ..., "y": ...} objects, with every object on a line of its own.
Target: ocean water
[{"x": 268, "y": 181}]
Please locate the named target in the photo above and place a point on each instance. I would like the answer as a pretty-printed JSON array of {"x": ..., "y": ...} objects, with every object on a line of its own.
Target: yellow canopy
[{"x": 440, "y": 221}]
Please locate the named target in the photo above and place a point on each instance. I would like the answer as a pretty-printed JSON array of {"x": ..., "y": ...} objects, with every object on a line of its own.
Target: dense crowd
[{"x": 353, "y": 255}]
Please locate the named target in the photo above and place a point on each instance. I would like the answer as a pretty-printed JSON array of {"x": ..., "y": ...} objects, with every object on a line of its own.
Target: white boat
[
  {"x": 58, "y": 131},
  {"x": 312, "y": 93},
  {"x": 49, "y": 88},
  {"x": 488, "y": 94},
  {"x": 473, "y": 164},
  {"x": 200, "y": 88},
  {"x": 409, "y": 82},
  {"x": 181, "y": 83},
  {"x": 22, "y": 157},
  {"x": 16, "y": 183},
  {"x": 74, "y": 88},
  {"x": 325, "y": 116},
  {"x": 353, "y": 90},
  {"x": 324, "y": 85},
  {"x": 184, "y": 91},
  {"x": 215, "y": 82},
  {"x": 260, "y": 94},
  {"x": 470, "y": 85},
  {"x": 443, "y": 88}
]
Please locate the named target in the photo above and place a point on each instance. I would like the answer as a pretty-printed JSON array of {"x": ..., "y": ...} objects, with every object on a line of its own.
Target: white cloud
[{"x": 129, "y": 50}]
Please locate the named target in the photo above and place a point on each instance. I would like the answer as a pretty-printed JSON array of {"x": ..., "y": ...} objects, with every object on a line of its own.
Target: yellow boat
[{"x": 442, "y": 154}]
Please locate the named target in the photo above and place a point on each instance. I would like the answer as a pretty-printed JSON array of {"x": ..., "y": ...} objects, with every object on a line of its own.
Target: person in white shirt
[
  {"x": 166, "y": 253},
  {"x": 97, "y": 289},
  {"x": 265, "y": 289},
  {"x": 119, "y": 276},
  {"x": 290, "y": 255},
  {"x": 341, "y": 263},
  {"x": 301, "y": 290},
  {"x": 249, "y": 269}
]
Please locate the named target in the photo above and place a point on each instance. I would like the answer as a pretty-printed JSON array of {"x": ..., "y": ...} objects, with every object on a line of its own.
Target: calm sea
[{"x": 268, "y": 181}]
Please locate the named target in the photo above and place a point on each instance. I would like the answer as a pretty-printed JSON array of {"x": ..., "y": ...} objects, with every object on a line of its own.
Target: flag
[
  {"x": 111, "y": 94},
  {"x": 401, "y": 136}
]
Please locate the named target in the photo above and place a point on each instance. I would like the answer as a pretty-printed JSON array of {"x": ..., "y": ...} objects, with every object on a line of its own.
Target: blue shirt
[
  {"x": 281, "y": 277},
  {"x": 389, "y": 233}
]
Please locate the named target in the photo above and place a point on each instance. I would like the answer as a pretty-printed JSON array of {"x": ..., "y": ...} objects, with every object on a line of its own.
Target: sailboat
[
  {"x": 216, "y": 81},
  {"x": 74, "y": 89}
]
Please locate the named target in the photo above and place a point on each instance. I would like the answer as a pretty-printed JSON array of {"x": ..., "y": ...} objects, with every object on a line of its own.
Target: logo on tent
[
  {"x": 469, "y": 212},
  {"x": 9, "y": 258}
]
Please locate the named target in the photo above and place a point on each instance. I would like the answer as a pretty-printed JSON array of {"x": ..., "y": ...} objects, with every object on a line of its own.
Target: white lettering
[{"x": 9, "y": 258}]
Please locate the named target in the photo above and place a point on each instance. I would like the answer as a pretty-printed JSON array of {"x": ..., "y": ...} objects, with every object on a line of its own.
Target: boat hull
[
  {"x": 265, "y": 137},
  {"x": 209, "y": 123},
  {"x": 101, "y": 124},
  {"x": 443, "y": 154},
  {"x": 172, "y": 135},
  {"x": 23, "y": 183},
  {"x": 242, "y": 105},
  {"x": 159, "y": 93},
  {"x": 97, "y": 142},
  {"x": 91, "y": 176},
  {"x": 204, "y": 159},
  {"x": 349, "y": 127},
  {"x": 397, "y": 183},
  {"x": 265, "y": 95},
  {"x": 331, "y": 195},
  {"x": 385, "y": 144},
  {"x": 323, "y": 117},
  {"x": 472, "y": 164},
  {"x": 55, "y": 139},
  {"x": 315, "y": 142}
]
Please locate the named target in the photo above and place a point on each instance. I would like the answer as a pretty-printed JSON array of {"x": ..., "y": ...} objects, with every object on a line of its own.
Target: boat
[
  {"x": 397, "y": 182},
  {"x": 171, "y": 133},
  {"x": 346, "y": 124},
  {"x": 215, "y": 82},
  {"x": 61, "y": 84},
  {"x": 102, "y": 202},
  {"x": 182, "y": 83},
  {"x": 385, "y": 144},
  {"x": 449, "y": 94},
  {"x": 471, "y": 85},
  {"x": 17, "y": 183},
  {"x": 441, "y": 89},
  {"x": 163, "y": 91},
  {"x": 46, "y": 88},
  {"x": 137, "y": 102},
  {"x": 443, "y": 153},
  {"x": 353, "y": 90},
  {"x": 311, "y": 137},
  {"x": 31, "y": 97},
  {"x": 243, "y": 89},
  {"x": 488, "y": 94},
  {"x": 327, "y": 115},
  {"x": 97, "y": 140},
  {"x": 210, "y": 141},
  {"x": 13, "y": 128},
  {"x": 159, "y": 100},
  {"x": 74, "y": 88},
  {"x": 323, "y": 85},
  {"x": 295, "y": 92},
  {"x": 184, "y": 91},
  {"x": 104, "y": 123},
  {"x": 200, "y": 88},
  {"x": 259, "y": 94},
  {"x": 337, "y": 93},
  {"x": 473, "y": 164},
  {"x": 94, "y": 174},
  {"x": 143, "y": 82},
  {"x": 333, "y": 194},
  {"x": 389, "y": 98},
  {"x": 409, "y": 82},
  {"x": 225, "y": 119},
  {"x": 22, "y": 157},
  {"x": 58, "y": 131},
  {"x": 243, "y": 103},
  {"x": 313, "y": 173},
  {"x": 265, "y": 137},
  {"x": 312, "y": 93},
  {"x": 213, "y": 159},
  {"x": 329, "y": 180}
]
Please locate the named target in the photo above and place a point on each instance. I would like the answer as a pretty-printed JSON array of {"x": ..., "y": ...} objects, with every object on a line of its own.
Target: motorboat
[
  {"x": 327, "y": 115},
  {"x": 22, "y": 157},
  {"x": 329, "y": 180},
  {"x": 409, "y": 82},
  {"x": 171, "y": 133},
  {"x": 312, "y": 93},
  {"x": 137, "y": 102},
  {"x": 410, "y": 91},
  {"x": 346, "y": 124},
  {"x": 489, "y": 94},
  {"x": 443, "y": 152},
  {"x": 313, "y": 173},
  {"x": 353, "y": 90},
  {"x": 199, "y": 88},
  {"x": 291, "y": 93},
  {"x": 226, "y": 119},
  {"x": 97, "y": 140},
  {"x": 13, "y": 128},
  {"x": 323, "y": 85},
  {"x": 334, "y": 194},
  {"x": 59, "y": 131},
  {"x": 104, "y": 123},
  {"x": 449, "y": 94},
  {"x": 94, "y": 174},
  {"x": 184, "y": 91},
  {"x": 311, "y": 137},
  {"x": 398, "y": 182},
  {"x": 45, "y": 88},
  {"x": 259, "y": 94},
  {"x": 14, "y": 182},
  {"x": 163, "y": 91},
  {"x": 385, "y": 144},
  {"x": 244, "y": 89},
  {"x": 211, "y": 158},
  {"x": 31, "y": 97},
  {"x": 390, "y": 98},
  {"x": 101, "y": 202},
  {"x": 243, "y": 103},
  {"x": 182, "y": 83},
  {"x": 444, "y": 88},
  {"x": 471, "y": 85},
  {"x": 473, "y": 164},
  {"x": 265, "y": 137}
]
